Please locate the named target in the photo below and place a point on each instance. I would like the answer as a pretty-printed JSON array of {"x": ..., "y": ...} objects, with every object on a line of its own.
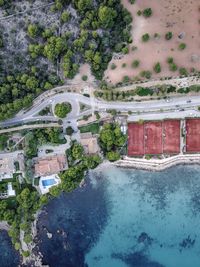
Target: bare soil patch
[{"x": 182, "y": 18}]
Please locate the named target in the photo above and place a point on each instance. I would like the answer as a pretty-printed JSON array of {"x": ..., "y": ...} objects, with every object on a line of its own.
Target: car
[
  {"x": 189, "y": 101},
  {"x": 181, "y": 109}
]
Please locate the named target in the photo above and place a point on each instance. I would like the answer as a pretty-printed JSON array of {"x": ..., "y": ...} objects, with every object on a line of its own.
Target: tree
[
  {"x": 135, "y": 64},
  {"x": 147, "y": 12},
  {"x": 65, "y": 16},
  {"x": 173, "y": 67},
  {"x": 84, "y": 77},
  {"x": 92, "y": 162},
  {"x": 33, "y": 30},
  {"x": 55, "y": 191},
  {"x": 17, "y": 246},
  {"x": 27, "y": 238},
  {"x": 32, "y": 83},
  {"x": 43, "y": 200},
  {"x": 157, "y": 67},
  {"x": 83, "y": 5},
  {"x": 183, "y": 71},
  {"x": 170, "y": 60},
  {"x": 168, "y": 35},
  {"x": 145, "y": 37},
  {"x": 77, "y": 151},
  {"x": 62, "y": 109},
  {"x": 111, "y": 138},
  {"x": 54, "y": 48},
  {"x": 113, "y": 156},
  {"x": 69, "y": 130},
  {"x": 182, "y": 46},
  {"x": 106, "y": 16}
]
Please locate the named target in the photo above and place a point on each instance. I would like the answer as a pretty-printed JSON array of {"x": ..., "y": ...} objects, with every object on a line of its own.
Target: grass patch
[{"x": 93, "y": 128}]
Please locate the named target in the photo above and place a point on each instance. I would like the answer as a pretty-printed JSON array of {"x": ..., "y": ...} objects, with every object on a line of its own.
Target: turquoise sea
[{"x": 125, "y": 218}]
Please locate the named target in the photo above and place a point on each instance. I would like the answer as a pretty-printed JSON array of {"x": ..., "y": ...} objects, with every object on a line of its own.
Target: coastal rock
[{"x": 49, "y": 235}]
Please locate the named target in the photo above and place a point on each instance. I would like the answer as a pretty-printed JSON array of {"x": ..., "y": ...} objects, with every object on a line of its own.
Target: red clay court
[
  {"x": 135, "y": 139},
  {"x": 171, "y": 136},
  {"x": 153, "y": 137},
  {"x": 193, "y": 135}
]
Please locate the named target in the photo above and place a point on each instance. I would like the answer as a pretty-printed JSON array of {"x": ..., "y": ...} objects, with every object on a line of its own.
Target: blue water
[
  {"x": 126, "y": 218},
  {"x": 8, "y": 256},
  {"x": 48, "y": 182}
]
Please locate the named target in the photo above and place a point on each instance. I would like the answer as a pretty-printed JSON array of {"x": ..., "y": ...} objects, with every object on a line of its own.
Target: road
[{"x": 174, "y": 105}]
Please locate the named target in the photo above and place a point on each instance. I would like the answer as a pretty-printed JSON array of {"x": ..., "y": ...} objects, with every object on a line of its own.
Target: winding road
[{"x": 175, "y": 106}]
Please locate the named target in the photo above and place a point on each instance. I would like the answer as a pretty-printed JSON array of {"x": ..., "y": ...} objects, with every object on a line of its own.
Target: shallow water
[
  {"x": 8, "y": 256},
  {"x": 126, "y": 218}
]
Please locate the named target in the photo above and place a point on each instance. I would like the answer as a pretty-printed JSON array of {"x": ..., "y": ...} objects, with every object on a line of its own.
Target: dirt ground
[{"x": 182, "y": 18}]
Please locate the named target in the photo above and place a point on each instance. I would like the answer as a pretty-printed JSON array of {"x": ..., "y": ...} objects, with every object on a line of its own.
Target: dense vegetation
[
  {"x": 19, "y": 214},
  {"x": 62, "y": 109},
  {"x": 17, "y": 91},
  {"x": 79, "y": 163},
  {"x": 84, "y": 31},
  {"x": 159, "y": 91},
  {"x": 112, "y": 140},
  {"x": 102, "y": 30},
  {"x": 38, "y": 137}
]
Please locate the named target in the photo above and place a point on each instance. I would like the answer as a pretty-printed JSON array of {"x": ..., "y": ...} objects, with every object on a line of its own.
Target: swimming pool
[{"x": 48, "y": 182}]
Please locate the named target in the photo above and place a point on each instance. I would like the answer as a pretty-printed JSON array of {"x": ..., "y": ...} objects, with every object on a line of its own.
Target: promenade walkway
[{"x": 158, "y": 164}]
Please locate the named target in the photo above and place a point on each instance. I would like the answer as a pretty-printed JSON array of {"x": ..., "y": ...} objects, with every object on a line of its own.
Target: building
[
  {"x": 11, "y": 163},
  {"x": 89, "y": 143},
  {"x": 50, "y": 165},
  {"x": 9, "y": 193}
]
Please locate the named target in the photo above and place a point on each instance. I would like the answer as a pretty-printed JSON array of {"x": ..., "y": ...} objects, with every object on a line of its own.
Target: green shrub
[
  {"x": 125, "y": 50},
  {"x": 84, "y": 77},
  {"x": 182, "y": 46},
  {"x": 173, "y": 67},
  {"x": 170, "y": 60},
  {"x": 141, "y": 91},
  {"x": 113, "y": 66},
  {"x": 157, "y": 67},
  {"x": 183, "y": 71},
  {"x": 113, "y": 156},
  {"x": 168, "y": 35},
  {"x": 145, "y": 74},
  {"x": 147, "y": 12},
  {"x": 145, "y": 37},
  {"x": 135, "y": 64},
  {"x": 62, "y": 109},
  {"x": 126, "y": 79}
]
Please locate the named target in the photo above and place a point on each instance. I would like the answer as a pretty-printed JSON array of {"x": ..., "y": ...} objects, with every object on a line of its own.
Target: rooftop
[
  {"x": 89, "y": 142},
  {"x": 50, "y": 165},
  {"x": 7, "y": 164}
]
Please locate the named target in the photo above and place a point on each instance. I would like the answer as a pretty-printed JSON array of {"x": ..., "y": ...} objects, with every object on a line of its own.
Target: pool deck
[{"x": 44, "y": 189}]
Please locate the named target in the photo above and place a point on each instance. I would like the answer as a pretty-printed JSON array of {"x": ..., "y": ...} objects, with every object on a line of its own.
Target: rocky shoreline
[
  {"x": 35, "y": 258},
  {"x": 4, "y": 226}
]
